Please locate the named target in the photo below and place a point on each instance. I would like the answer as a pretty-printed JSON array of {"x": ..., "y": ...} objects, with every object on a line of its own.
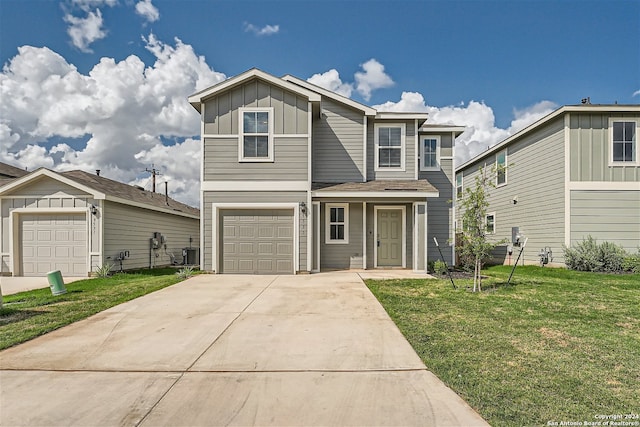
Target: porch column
[{"x": 364, "y": 235}]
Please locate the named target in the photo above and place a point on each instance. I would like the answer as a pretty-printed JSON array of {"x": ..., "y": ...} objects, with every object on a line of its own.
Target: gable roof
[
  {"x": 102, "y": 188},
  {"x": 581, "y": 108},
  {"x": 198, "y": 98},
  {"x": 8, "y": 171}
]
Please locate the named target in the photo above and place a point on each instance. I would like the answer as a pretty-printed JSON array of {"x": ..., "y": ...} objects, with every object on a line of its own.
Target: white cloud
[
  {"x": 636, "y": 93},
  {"x": 478, "y": 118},
  {"x": 84, "y": 31},
  {"x": 88, "y": 5},
  {"x": 121, "y": 109},
  {"x": 147, "y": 10},
  {"x": 372, "y": 78},
  {"x": 267, "y": 30},
  {"x": 331, "y": 81}
]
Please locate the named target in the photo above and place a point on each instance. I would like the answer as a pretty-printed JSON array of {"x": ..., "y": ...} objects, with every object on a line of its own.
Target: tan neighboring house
[{"x": 76, "y": 222}]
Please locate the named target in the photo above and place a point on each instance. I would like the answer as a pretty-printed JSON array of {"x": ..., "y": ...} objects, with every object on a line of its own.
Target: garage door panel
[
  {"x": 52, "y": 241},
  {"x": 257, "y": 241}
]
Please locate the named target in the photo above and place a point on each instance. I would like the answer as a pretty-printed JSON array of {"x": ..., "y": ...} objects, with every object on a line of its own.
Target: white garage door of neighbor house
[
  {"x": 51, "y": 242},
  {"x": 257, "y": 241}
]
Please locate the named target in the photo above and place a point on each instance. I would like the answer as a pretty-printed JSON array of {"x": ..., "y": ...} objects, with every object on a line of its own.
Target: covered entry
[
  {"x": 52, "y": 241},
  {"x": 257, "y": 241}
]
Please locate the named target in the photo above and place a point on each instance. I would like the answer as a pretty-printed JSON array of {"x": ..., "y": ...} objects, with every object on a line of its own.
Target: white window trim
[
  {"x": 459, "y": 197},
  {"x": 241, "y": 157},
  {"x": 506, "y": 178},
  {"x": 493, "y": 214},
  {"x": 403, "y": 144},
  {"x": 610, "y": 141},
  {"x": 424, "y": 168},
  {"x": 327, "y": 223}
]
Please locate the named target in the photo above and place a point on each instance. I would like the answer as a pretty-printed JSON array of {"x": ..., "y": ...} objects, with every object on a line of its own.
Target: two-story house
[
  {"x": 573, "y": 173},
  {"x": 296, "y": 178}
]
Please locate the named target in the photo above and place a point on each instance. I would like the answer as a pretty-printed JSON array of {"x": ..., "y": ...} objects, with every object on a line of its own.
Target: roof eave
[
  {"x": 38, "y": 173},
  {"x": 374, "y": 194},
  {"x": 198, "y": 98}
]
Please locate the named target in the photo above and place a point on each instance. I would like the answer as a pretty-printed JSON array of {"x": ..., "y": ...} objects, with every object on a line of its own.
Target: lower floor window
[
  {"x": 336, "y": 223},
  {"x": 491, "y": 223}
]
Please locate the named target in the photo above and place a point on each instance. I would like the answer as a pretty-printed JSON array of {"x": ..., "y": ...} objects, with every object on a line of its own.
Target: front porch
[{"x": 371, "y": 225}]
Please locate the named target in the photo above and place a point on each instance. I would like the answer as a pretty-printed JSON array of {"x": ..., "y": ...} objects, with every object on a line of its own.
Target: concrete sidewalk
[
  {"x": 13, "y": 285},
  {"x": 230, "y": 350}
]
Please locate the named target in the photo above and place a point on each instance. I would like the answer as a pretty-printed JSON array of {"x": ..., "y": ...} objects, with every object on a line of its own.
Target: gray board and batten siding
[
  {"x": 535, "y": 178},
  {"x": 589, "y": 137}
]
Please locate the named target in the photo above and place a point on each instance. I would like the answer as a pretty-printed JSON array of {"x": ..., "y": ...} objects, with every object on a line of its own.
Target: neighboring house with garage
[
  {"x": 76, "y": 222},
  {"x": 296, "y": 178},
  {"x": 571, "y": 174}
]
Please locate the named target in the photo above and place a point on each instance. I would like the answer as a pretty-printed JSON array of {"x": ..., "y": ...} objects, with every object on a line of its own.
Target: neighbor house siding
[
  {"x": 612, "y": 216},
  {"x": 338, "y": 144},
  {"x": 239, "y": 197},
  {"x": 131, "y": 228},
  {"x": 535, "y": 178},
  {"x": 290, "y": 161},
  {"x": 590, "y": 148}
]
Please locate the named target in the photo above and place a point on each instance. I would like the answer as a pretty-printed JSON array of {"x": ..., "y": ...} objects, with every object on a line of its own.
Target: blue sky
[{"x": 494, "y": 66}]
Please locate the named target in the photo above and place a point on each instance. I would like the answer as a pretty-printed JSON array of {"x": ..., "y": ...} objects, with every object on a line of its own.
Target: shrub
[
  {"x": 104, "y": 270},
  {"x": 440, "y": 268},
  {"x": 185, "y": 273},
  {"x": 588, "y": 255},
  {"x": 631, "y": 263}
]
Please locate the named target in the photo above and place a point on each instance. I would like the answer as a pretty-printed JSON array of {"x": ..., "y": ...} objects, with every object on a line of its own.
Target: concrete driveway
[{"x": 230, "y": 350}]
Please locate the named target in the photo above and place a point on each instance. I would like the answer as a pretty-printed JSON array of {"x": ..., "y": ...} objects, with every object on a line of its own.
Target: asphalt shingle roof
[{"x": 407, "y": 185}]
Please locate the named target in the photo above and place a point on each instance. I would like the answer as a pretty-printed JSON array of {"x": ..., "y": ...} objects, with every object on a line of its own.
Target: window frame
[
  {"x": 403, "y": 144},
  {"x": 486, "y": 223},
  {"x": 460, "y": 195},
  {"x": 498, "y": 183},
  {"x": 241, "y": 134},
  {"x": 327, "y": 221},
  {"x": 610, "y": 142},
  {"x": 422, "y": 139}
]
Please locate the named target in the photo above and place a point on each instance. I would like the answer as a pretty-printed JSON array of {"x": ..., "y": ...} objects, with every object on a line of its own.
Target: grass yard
[
  {"x": 27, "y": 315},
  {"x": 554, "y": 346}
]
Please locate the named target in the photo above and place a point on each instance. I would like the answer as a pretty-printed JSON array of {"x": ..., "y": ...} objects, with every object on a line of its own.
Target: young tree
[{"x": 474, "y": 204}]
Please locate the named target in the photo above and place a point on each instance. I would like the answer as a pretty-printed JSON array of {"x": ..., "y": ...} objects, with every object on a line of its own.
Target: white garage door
[
  {"x": 53, "y": 242},
  {"x": 257, "y": 241}
]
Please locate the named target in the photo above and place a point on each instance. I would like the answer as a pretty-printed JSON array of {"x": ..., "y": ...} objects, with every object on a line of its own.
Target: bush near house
[{"x": 605, "y": 257}]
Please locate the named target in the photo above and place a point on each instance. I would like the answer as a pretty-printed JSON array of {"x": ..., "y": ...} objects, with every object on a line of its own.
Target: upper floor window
[
  {"x": 501, "y": 168},
  {"x": 390, "y": 146},
  {"x": 459, "y": 189},
  {"x": 623, "y": 141},
  {"x": 337, "y": 223},
  {"x": 429, "y": 153},
  {"x": 256, "y": 135}
]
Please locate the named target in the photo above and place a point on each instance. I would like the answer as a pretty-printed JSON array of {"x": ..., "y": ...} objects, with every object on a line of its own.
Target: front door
[{"x": 389, "y": 239}]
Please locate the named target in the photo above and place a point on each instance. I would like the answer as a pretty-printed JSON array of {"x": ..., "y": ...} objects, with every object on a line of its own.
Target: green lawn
[
  {"x": 553, "y": 346},
  {"x": 27, "y": 315}
]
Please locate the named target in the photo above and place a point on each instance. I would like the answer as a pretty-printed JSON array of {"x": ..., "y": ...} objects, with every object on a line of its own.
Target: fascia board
[
  {"x": 368, "y": 111},
  {"x": 27, "y": 179},
  {"x": 150, "y": 207},
  {"x": 196, "y": 99},
  {"x": 374, "y": 194}
]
